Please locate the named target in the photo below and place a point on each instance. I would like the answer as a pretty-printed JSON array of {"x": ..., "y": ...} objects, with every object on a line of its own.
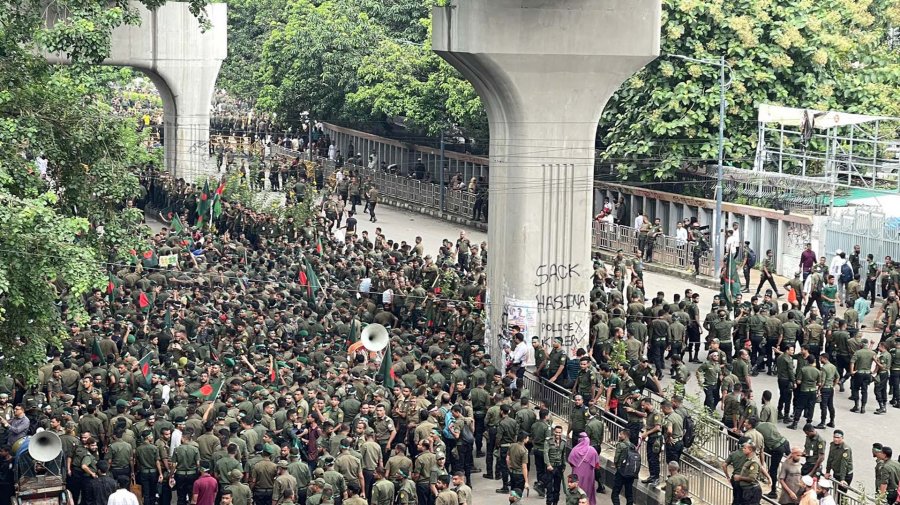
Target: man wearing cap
[
  {"x": 861, "y": 376},
  {"x": 839, "y": 465},
  {"x": 240, "y": 492},
  {"x": 148, "y": 468},
  {"x": 406, "y": 489},
  {"x": 333, "y": 478},
  {"x": 284, "y": 481},
  {"x": 262, "y": 479}
]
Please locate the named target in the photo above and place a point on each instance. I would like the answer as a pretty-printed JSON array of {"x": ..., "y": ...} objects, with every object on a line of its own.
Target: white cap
[
  {"x": 807, "y": 480},
  {"x": 824, "y": 483},
  {"x": 838, "y": 252}
]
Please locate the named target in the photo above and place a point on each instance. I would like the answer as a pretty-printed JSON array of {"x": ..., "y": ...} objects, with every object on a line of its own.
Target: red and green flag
[
  {"x": 273, "y": 372},
  {"x": 203, "y": 203},
  {"x": 386, "y": 372},
  {"x": 112, "y": 287},
  {"x": 97, "y": 353},
  {"x": 319, "y": 245},
  {"x": 143, "y": 301},
  {"x": 144, "y": 367},
  {"x": 217, "y": 200},
  {"x": 311, "y": 280},
  {"x": 150, "y": 259},
  {"x": 209, "y": 391}
]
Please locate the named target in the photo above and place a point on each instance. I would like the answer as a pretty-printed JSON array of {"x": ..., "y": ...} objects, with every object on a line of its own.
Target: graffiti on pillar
[
  {"x": 555, "y": 271},
  {"x": 555, "y": 310},
  {"x": 798, "y": 235}
]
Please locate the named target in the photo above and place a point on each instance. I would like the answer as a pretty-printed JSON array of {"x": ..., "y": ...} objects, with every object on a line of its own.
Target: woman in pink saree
[{"x": 584, "y": 460}]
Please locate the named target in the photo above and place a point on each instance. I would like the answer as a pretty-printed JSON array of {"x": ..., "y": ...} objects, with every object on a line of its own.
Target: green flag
[
  {"x": 113, "y": 287},
  {"x": 311, "y": 280},
  {"x": 209, "y": 391},
  {"x": 167, "y": 322},
  {"x": 176, "y": 224},
  {"x": 731, "y": 284},
  {"x": 97, "y": 353},
  {"x": 386, "y": 372},
  {"x": 144, "y": 367},
  {"x": 203, "y": 204}
]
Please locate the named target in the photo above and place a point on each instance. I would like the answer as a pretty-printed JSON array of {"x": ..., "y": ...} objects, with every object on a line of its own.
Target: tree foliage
[
  {"x": 56, "y": 236},
  {"x": 829, "y": 54}
]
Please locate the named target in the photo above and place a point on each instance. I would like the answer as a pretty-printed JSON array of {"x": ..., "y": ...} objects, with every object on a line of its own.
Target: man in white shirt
[
  {"x": 123, "y": 496},
  {"x": 519, "y": 355},
  {"x": 835, "y": 269},
  {"x": 639, "y": 221}
]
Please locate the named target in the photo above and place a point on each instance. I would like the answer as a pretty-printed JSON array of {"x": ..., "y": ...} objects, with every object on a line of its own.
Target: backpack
[
  {"x": 687, "y": 439},
  {"x": 751, "y": 258},
  {"x": 632, "y": 465},
  {"x": 846, "y": 273}
]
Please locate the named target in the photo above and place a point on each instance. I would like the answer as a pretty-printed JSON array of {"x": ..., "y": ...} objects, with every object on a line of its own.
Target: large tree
[
  {"x": 826, "y": 54},
  {"x": 56, "y": 236}
]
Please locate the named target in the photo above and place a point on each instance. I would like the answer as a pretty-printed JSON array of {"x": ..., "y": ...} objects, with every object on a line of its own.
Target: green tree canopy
[{"x": 55, "y": 238}]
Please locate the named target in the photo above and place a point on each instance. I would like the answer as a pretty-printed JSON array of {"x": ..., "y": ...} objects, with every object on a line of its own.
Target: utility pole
[
  {"x": 441, "y": 172},
  {"x": 721, "y": 173},
  {"x": 717, "y": 229}
]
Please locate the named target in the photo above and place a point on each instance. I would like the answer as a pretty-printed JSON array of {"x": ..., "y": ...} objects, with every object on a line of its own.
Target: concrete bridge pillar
[
  {"x": 183, "y": 62},
  {"x": 544, "y": 70}
]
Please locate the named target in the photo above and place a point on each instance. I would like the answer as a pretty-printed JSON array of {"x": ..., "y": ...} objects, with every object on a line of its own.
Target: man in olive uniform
[
  {"x": 813, "y": 450},
  {"x": 121, "y": 456},
  {"x": 578, "y": 418},
  {"x": 890, "y": 475},
  {"x": 861, "y": 376},
  {"x": 383, "y": 490},
  {"x": 653, "y": 437},
  {"x": 518, "y": 462},
  {"x": 187, "y": 462},
  {"x": 895, "y": 374},
  {"x": 784, "y": 372},
  {"x": 492, "y": 422},
  {"x": 708, "y": 375},
  {"x": 148, "y": 468},
  {"x": 556, "y": 364},
  {"x": 620, "y": 481},
  {"x": 829, "y": 381},
  {"x": 406, "y": 490},
  {"x": 353, "y": 495},
  {"x": 481, "y": 401},
  {"x": 507, "y": 433},
  {"x": 557, "y": 450},
  {"x": 808, "y": 383},
  {"x": 540, "y": 432},
  {"x": 445, "y": 496},
  {"x": 722, "y": 330},
  {"x": 241, "y": 494},
  {"x": 673, "y": 481},
  {"x": 748, "y": 477},
  {"x": 262, "y": 479},
  {"x": 882, "y": 377},
  {"x": 839, "y": 465},
  {"x": 574, "y": 493}
]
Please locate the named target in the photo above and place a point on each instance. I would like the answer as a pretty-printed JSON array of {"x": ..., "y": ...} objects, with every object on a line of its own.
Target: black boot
[
  {"x": 862, "y": 410},
  {"x": 855, "y": 406}
]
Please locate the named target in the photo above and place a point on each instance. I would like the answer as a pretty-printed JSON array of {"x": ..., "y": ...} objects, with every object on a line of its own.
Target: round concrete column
[{"x": 544, "y": 71}]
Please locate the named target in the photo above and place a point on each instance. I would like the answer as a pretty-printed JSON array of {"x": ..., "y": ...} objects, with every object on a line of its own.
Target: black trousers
[
  {"x": 769, "y": 351},
  {"x": 654, "y": 446},
  {"x": 553, "y": 483},
  {"x": 479, "y": 433},
  {"x": 502, "y": 469},
  {"x": 184, "y": 486},
  {"x": 859, "y": 387},
  {"x": 895, "y": 386},
  {"x": 489, "y": 452},
  {"x": 620, "y": 483},
  {"x": 516, "y": 481},
  {"x": 827, "y": 404},
  {"x": 751, "y": 495},
  {"x": 674, "y": 451},
  {"x": 372, "y": 209},
  {"x": 423, "y": 492},
  {"x": 777, "y": 455},
  {"x": 149, "y": 481},
  {"x": 262, "y": 497},
  {"x": 869, "y": 289},
  {"x": 842, "y": 363},
  {"x": 762, "y": 280},
  {"x": 881, "y": 388},
  {"x": 805, "y": 405},
  {"x": 785, "y": 393},
  {"x": 541, "y": 467},
  {"x": 75, "y": 485}
]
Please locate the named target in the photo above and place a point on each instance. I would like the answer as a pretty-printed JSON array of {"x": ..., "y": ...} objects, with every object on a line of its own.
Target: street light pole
[{"x": 720, "y": 173}]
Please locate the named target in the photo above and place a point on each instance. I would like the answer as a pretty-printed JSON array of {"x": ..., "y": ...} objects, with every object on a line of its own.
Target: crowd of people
[{"x": 229, "y": 375}]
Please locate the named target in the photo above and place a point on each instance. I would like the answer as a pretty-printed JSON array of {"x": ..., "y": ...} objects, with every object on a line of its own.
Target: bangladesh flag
[
  {"x": 217, "y": 201},
  {"x": 97, "y": 353},
  {"x": 176, "y": 224},
  {"x": 143, "y": 301},
  {"x": 319, "y": 245},
  {"x": 209, "y": 391},
  {"x": 273, "y": 372},
  {"x": 386, "y": 372},
  {"x": 150, "y": 259},
  {"x": 312, "y": 280},
  {"x": 144, "y": 367},
  {"x": 113, "y": 287},
  {"x": 203, "y": 203}
]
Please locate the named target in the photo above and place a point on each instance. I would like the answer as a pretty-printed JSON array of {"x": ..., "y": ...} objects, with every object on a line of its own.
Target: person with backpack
[
  {"x": 749, "y": 262},
  {"x": 627, "y": 462}
]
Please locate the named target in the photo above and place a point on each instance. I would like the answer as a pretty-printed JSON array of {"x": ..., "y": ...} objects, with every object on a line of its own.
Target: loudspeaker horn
[
  {"x": 374, "y": 337},
  {"x": 45, "y": 446}
]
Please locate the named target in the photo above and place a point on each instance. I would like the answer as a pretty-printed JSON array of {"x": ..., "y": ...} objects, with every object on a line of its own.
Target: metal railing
[
  {"x": 557, "y": 399},
  {"x": 667, "y": 250}
]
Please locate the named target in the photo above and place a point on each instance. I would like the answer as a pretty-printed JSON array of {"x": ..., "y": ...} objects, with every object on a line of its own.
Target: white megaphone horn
[
  {"x": 374, "y": 337},
  {"x": 45, "y": 446}
]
